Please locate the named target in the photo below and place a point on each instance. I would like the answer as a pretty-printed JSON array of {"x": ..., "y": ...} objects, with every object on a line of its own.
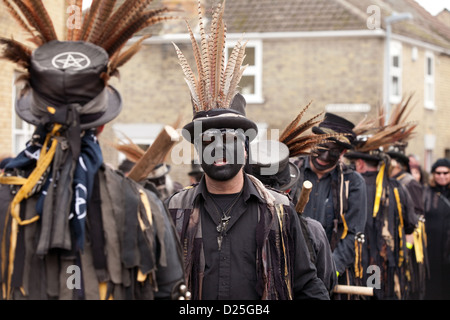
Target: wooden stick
[
  {"x": 155, "y": 154},
  {"x": 359, "y": 290},
  {"x": 304, "y": 197}
]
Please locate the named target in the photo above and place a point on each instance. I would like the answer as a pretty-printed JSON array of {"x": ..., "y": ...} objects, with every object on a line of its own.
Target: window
[
  {"x": 21, "y": 130},
  {"x": 251, "y": 82},
  {"x": 142, "y": 134},
  {"x": 429, "y": 80},
  {"x": 395, "y": 76},
  {"x": 430, "y": 145}
]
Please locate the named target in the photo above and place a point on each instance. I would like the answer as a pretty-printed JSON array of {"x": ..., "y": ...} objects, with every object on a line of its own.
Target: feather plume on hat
[
  {"x": 375, "y": 135},
  {"x": 130, "y": 149},
  {"x": 215, "y": 84},
  {"x": 295, "y": 138},
  {"x": 101, "y": 25}
]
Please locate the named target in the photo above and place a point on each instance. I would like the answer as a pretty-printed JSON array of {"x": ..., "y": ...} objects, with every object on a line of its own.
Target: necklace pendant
[{"x": 219, "y": 242}]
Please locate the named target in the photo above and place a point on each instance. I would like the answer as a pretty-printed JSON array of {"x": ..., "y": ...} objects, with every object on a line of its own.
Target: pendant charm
[
  {"x": 221, "y": 228},
  {"x": 219, "y": 242}
]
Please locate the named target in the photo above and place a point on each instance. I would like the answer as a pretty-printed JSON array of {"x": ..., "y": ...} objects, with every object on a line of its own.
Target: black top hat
[
  {"x": 160, "y": 170},
  {"x": 229, "y": 118},
  {"x": 269, "y": 162},
  {"x": 336, "y": 124},
  {"x": 64, "y": 73},
  {"x": 400, "y": 157},
  {"x": 126, "y": 166},
  {"x": 370, "y": 156}
]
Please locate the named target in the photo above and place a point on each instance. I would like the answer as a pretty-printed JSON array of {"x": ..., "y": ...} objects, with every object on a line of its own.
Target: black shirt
[{"x": 230, "y": 272}]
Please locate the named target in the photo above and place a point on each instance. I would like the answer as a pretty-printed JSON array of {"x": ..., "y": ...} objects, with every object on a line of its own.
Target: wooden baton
[
  {"x": 359, "y": 290},
  {"x": 155, "y": 154},
  {"x": 304, "y": 197}
]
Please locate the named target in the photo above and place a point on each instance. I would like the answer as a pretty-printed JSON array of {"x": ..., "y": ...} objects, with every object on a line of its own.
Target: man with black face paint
[
  {"x": 229, "y": 221},
  {"x": 338, "y": 197},
  {"x": 223, "y": 152},
  {"x": 240, "y": 240}
]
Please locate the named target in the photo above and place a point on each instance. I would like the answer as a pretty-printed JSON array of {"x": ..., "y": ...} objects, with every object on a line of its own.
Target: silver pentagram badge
[{"x": 71, "y": 60}]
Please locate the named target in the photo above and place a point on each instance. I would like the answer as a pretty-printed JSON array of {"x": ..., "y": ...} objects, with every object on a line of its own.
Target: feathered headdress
[
  {"x": 131, "y": 150},
  {"x": 294, "y": 136},
  {"x": 74, "y": 73},
  {"x": 374, "y": 138},
  {"x": 215, "y": 84},
  {"x": 103, "y": 25},
  {"x": 215, "y": 100},
  {"x": 374, "y": 135}
]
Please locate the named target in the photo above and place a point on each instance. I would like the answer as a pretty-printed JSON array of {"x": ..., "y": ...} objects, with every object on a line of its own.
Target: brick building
[
  {"x": 13, "y": 131},
  {"x": 329, "y": 51}
]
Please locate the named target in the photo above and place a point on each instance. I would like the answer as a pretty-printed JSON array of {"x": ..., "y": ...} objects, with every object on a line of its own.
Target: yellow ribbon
[
  {"x": 400, "y": 227},
  {"x": 419, "y": 236},
  {"x": 45, "y": 158},
  {"x": 379, "y": 190}
]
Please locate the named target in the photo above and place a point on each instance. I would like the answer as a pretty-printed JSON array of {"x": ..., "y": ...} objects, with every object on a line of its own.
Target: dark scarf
[{"x": 64, "y": 189}]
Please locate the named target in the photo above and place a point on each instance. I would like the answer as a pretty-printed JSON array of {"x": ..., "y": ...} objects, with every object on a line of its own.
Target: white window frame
[
  {"x": 429, "y": 80},
  {"x": 19, "y": 136},
  {"x": 395, "y": 50},
  {"x": 255, "y": 71},
  {"x": 139, "y": 133}
]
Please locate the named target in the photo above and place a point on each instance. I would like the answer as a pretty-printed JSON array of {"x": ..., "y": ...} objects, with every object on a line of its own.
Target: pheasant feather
[
  {"x": 215, "y": 84},
  {"x": 295, "y": 138},
  {"x": 395, "y": 134},
  {"x": 101, "y": 25}
]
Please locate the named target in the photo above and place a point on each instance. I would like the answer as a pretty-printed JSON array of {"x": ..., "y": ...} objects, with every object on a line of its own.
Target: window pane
[
  {"x": 247, "y": 85},
  {"x": 229, "y": 50},
  {"x": 249, "y": 56},
  {"x": 395, "y": 86},
  {"x": 395, "y": 61},
  {"x": 429, "y": 92},
  {"x": 19, "y": 143},
  {"x": 429, "y": 66},
  {"x": 144, "y": 146}
]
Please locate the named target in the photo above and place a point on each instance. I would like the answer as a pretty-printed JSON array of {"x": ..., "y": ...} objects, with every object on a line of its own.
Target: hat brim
[
  {"x": 294, "y": 174},
  {"x": 400, "y": 157},
  {"x": 114, "y": 105},
  {"x": 229, "y": 121},
  {"x": 159, "y": 172},
  {"x": 317, "y": 130},
  {"x": 361, "y": 155}
]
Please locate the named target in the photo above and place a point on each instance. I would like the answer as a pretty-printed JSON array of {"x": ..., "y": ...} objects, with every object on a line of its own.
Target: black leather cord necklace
[{"x": 224, "y": 217}]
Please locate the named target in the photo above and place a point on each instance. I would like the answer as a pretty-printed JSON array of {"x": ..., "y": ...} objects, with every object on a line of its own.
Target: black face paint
[
  {"x": 222, "y": 153},
  {"x": 327, "y": 154}
]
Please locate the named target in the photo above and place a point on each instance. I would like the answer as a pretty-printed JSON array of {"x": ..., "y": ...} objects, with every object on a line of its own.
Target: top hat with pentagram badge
[
  {"x": 67, "y": 81},
  {"x": 67, "y": 74}
]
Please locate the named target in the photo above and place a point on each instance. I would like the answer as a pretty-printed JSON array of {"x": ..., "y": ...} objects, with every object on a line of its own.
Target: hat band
[
  {"x": 223, "y": 115},
  {"x": 159, "y": 172},
  {"x": 343, "y": 139},
  {"x": 93, "y": 109}
]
